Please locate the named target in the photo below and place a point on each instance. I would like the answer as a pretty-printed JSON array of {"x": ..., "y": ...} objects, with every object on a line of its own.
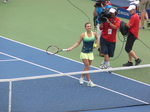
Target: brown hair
[{"x": 86, "y": 24}]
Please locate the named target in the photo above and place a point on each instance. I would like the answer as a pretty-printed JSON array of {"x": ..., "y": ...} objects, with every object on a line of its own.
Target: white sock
[
  {"x": 82, "y": 78},
  {"x": 90, "y": 81},
  {"x": 103, "y": 62},
  {"x": 107, "y": 63}
]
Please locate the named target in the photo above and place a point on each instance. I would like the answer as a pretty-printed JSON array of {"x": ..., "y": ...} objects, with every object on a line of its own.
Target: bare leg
[
  {"x": 132, "y": 54},
  {"x": 142, "y": 14},
  {"x": 106, "y": 58},
  {"x": 146, "y": 16},
  {"x": 87, "y": 64}
]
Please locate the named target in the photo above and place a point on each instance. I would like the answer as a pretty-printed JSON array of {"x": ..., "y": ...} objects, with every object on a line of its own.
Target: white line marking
[
  {"x": 60, "y": 74},
  {"x": 116, "y": 92},
  {"x": 71, "y": 59},
  {"x": 29, "y": 62},
  {"x": 9, "y": 60}
]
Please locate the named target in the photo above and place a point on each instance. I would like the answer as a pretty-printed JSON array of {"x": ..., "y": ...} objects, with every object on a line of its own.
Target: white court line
[
  {"x": 29, "y": 62},
  {"x": 116, "y": 92},
  {"x": 10, "y": 60},
  {"x": 60, "y": 74},
  {"x": 72, "y": 60}
]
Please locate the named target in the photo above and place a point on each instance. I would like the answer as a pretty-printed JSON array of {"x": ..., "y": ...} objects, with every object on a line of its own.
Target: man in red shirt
[
  {"x": 108, "y": 37},
  {"x": 133, "y": 31}
]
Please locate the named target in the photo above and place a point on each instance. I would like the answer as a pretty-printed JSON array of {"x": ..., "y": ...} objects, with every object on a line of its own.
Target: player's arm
[
  {"x": 116, "y": 25},
  {"x": 94, "y": 12},
  {"x": 77, "y": 43},
  {"x": 111, "y": 24},
  {"x": 96, "y": 39},
  {"x": 131, "y": 23},
  {"x": 101, "y": 26}
]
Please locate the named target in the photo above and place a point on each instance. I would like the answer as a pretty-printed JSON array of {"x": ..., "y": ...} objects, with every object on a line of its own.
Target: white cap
[
  {"x": 131, "y": 7},
  {"x": 112, "y": 10}
]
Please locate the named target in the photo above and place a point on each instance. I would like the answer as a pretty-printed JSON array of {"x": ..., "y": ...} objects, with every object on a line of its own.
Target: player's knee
[
  {"x": 87, "y": 67},
  {"x": 127, "y": 50}
]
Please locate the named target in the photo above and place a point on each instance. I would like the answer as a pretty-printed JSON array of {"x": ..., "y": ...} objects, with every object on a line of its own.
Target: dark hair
[{"x": 98, "y": 3}]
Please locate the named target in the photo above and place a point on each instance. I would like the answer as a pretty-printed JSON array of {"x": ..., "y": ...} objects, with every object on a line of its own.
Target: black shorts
[
  {"x": 107, "y": 47},
  {"x": 130, "y": 41}
]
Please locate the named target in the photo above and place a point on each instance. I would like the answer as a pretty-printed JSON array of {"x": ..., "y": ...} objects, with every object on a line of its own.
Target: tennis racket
[{"x": 52, "y": 49}]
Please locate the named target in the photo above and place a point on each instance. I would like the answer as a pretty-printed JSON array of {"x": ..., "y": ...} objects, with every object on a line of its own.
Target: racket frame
[{"x": 58, "y": 50}]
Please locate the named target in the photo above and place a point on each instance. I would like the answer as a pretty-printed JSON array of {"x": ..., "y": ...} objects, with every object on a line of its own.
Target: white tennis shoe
[
  {"x": 102, "y": 66},
  {"x": 5, "y": 1},
  {"x": 81, "y": 81},
  {"x": 109, "y": 68},
  {"x": 91, "y": 84}
]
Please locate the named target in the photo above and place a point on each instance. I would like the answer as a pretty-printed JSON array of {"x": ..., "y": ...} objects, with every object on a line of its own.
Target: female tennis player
[{"x": 89, "y": 38}]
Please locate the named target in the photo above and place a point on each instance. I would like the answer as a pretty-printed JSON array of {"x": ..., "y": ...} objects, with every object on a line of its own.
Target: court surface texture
[
  {"x": 63, "y": 93},
  {"x": 33, "y": 81}
]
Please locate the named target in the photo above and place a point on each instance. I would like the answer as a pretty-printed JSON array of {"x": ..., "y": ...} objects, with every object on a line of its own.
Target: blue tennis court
[{"x": 20, "y": 62}]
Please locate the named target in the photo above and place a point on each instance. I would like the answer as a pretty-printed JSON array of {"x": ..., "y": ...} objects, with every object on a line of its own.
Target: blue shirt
[{"x": 99, "y": 10}]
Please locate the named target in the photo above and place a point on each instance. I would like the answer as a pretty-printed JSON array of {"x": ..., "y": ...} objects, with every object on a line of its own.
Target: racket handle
[{"x": 64, "y": 49}]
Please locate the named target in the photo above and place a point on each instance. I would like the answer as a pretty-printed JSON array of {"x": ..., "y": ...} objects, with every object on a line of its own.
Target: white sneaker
[
  {"x": 91, "y": 84},
  {"x": 81, "y": 81},
  {"x": 102, "y": 66},
  {"x": 5, "y": 1},
  {"x": 109, "y": 67}
]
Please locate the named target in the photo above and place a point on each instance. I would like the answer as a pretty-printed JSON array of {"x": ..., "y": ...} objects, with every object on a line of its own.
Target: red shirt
[
  {"x": 108, "y": 33},
  {"x": 109, "y": 3},
  {"x": 134, "y": 25}
]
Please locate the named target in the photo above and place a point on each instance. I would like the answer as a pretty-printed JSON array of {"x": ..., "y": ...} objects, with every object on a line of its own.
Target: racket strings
[{"x": 53, "y": 50}]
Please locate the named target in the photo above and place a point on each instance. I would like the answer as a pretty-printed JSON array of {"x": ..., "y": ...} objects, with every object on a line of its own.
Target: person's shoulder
[
  {"x": 94, "y": 33},
  {"x": 99, "y": 8},
  {"x": 117, "y": 18},
  {"x": 135, "y": 15},
  {"x": 82, "y": 34},
  {"x": 108, "y": 6}
]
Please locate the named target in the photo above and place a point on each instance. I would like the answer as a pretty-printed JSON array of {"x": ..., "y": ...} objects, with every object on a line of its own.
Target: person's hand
[
  {"x": 95, "y": 4},
  {"x": 94, "y": 46},
  {"x": 107, "y": 20},
  {"x": 69, "y": 49},
  {"x": 102, "y": 6}
]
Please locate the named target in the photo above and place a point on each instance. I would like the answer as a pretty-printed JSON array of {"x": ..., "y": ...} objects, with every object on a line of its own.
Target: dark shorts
[
  {"x": 130, "y": 41},
  {"x": 107, "y": 47}
]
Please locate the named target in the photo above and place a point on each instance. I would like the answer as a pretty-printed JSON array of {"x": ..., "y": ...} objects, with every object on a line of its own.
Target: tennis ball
[{"x": 94, "y": 45}]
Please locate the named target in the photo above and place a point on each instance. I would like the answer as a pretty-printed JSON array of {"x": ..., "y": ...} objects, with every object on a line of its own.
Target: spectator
[
  {"x": 133, "y": 26},
  {"x": 143, "y": 5},
  {"x": 100, "y": 5},
  {"x": 108, "y": 37}
]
